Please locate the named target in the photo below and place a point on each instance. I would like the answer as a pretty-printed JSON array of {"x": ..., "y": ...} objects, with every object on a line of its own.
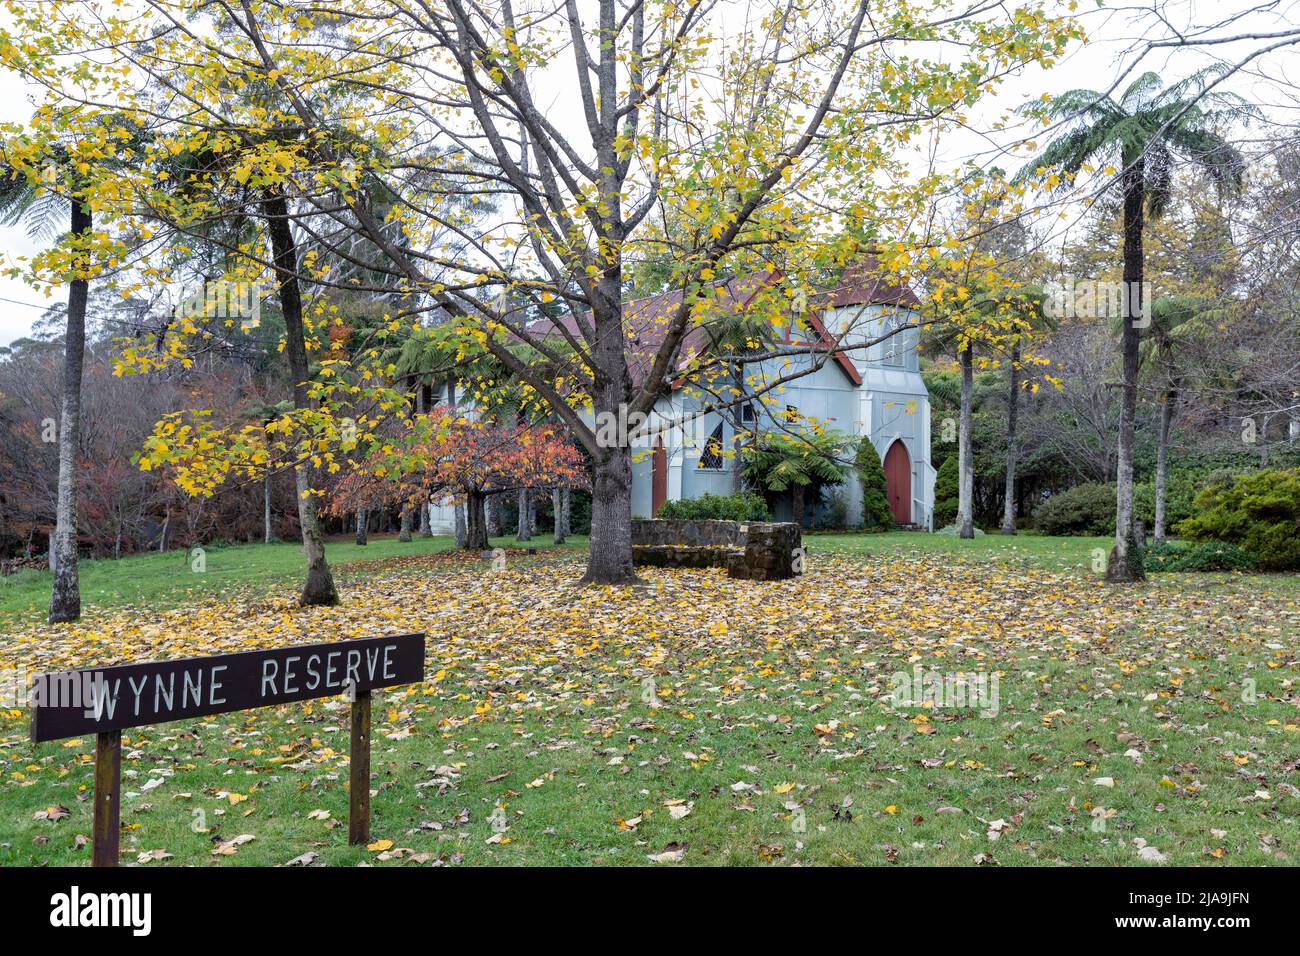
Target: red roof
[
  {"x": 864, "y": 283},
  {"x": 646, "y": 320}
]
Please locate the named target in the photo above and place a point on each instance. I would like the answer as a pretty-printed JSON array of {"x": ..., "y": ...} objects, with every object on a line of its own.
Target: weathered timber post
[
  {"x": 107, "y": 826},
  {"x": 359, "y": 772}
]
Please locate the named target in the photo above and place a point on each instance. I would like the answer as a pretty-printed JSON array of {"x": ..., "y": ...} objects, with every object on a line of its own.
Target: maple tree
[{"x": 452, "y": 457}]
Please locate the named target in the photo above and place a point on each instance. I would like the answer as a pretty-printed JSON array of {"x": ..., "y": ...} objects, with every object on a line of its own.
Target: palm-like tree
[
  {"x": 23, "y": 200},
  {"x": 1145, "y": 131},
  {"x": 798, "y": 463}
]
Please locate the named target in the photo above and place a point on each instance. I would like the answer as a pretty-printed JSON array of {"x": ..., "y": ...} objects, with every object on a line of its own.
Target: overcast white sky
[{"x": 1116, "y": 32}]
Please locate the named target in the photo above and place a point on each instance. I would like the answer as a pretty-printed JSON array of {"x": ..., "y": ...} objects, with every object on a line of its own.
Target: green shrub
[
  {"x": 1087, "y": 509},
  {"x": 876, "y": 515},
  {"x": 1207, "y": 556},
  {"x": 1180, "y": 492},
  {"x": 742, "y": 507},
  {"x": 946, "y": 493},
  {"x": 1258, "y": 512}
]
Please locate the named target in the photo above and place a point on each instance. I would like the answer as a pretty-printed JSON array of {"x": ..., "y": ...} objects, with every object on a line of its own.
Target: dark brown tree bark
[
  {"x": 65, "y": 597},
  {"x": 319, "y": 587},
  {"x": 1125, "y": 562},
  {"x": 476, "y": 537},
  {"x": 798, "y": 504}
]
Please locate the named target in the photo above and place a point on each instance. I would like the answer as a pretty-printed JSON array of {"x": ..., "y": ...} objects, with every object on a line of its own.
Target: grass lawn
[
  {"x": 1057, "y": 554},
  {"x": 698, "y": 720},
  {"x": 170, "y": 578}
]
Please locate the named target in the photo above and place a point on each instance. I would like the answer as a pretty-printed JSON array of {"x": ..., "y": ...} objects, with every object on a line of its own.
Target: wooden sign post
[{"x": 104, "y": 701}]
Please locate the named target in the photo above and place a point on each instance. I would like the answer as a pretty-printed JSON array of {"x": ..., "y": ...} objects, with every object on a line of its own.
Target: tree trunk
[
  {"x": 458, "y": 521},
  {"x": 1013, "y": 408},
  {"x": 566, "y": 500},
  {"x": 476, "y": 537},
  {"x": 965, "y": 462},
  {"x": 1162, "y": 451},
  {"x": 610, "y": 560},
  {"x": 610, "y": 557},
  {"x": 557, "y": 505},
  {"x": 1126, "y": 557},
  {"x": 426, "y": 522},
  {"x": 404, "y": 529},
  {"x": 268, "y": 533},
  {"x": 524, "y": 530},
  {"x": 319, "y": 588},
  {"x": 492, "y": 505},
  {"x": 363, "y": 516},
  {"x": 65, "y": 598},
  {"x": 797, "y": 504}
]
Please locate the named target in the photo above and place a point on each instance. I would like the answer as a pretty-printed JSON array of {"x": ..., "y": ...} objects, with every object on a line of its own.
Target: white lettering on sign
[{"x": 131, "y": 695}]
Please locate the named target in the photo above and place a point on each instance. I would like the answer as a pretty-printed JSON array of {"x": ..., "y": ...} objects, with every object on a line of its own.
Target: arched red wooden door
[
  {"x": 658, "y": 477},
  {"x": 898, "y": 481}
]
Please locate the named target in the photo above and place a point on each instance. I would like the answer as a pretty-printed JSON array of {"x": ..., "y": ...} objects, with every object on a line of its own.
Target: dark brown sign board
[
  {"x": 106, "y": 700},
  {"x": 132, "y": 695}
]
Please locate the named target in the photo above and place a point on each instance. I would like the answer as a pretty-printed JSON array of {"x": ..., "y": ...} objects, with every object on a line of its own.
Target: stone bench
[{"x": 749, "y": 550}]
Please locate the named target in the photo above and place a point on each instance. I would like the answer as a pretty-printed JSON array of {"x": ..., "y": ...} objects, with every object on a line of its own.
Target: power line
[{"x": 30, "y": 305}]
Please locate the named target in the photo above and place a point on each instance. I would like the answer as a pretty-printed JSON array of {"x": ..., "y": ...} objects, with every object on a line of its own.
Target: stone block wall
[{"x": 750, "y": 550}]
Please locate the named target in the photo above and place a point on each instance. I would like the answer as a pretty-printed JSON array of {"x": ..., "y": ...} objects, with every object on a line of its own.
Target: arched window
[{"x": 711, "y": 459}]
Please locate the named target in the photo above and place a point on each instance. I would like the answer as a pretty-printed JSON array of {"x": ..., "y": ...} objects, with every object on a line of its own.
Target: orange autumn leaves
[{"x": 450, "y": 456}]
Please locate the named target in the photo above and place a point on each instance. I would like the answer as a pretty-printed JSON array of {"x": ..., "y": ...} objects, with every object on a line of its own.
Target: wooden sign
[{"x": 105, "y": 700}]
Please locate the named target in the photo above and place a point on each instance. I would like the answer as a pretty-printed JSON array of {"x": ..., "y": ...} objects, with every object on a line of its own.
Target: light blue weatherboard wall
[{"x": 891, "y": 405}]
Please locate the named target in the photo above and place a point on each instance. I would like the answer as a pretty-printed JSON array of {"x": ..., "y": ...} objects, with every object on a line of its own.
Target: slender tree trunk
[
  {"x": 65, "y": 598},
  {"x": 476, "y": 537},
  {"x": 268, "y": 532},
  {"x": 363, "y": 518},
  {"x": 566, "y": 501},
  {"x": 797, "y": 504},
  {"x": 1013, "y": 409},
  {"x": 1162, "y": 453},
  {"x": 492, "y": 506},
  {"x": 426, "y": 521},
  {"x": 1126, "y": 556},
  {"x": 557, "y": 505},
  {"x": 965, "y": 462},
  {"x": 524, "y": 531},
  {"x": 458, "y": 520},
  {"x": 404, "y": 528},
  {"x": 319, "y": 587},
  {"x": 532, "y": 515}
]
